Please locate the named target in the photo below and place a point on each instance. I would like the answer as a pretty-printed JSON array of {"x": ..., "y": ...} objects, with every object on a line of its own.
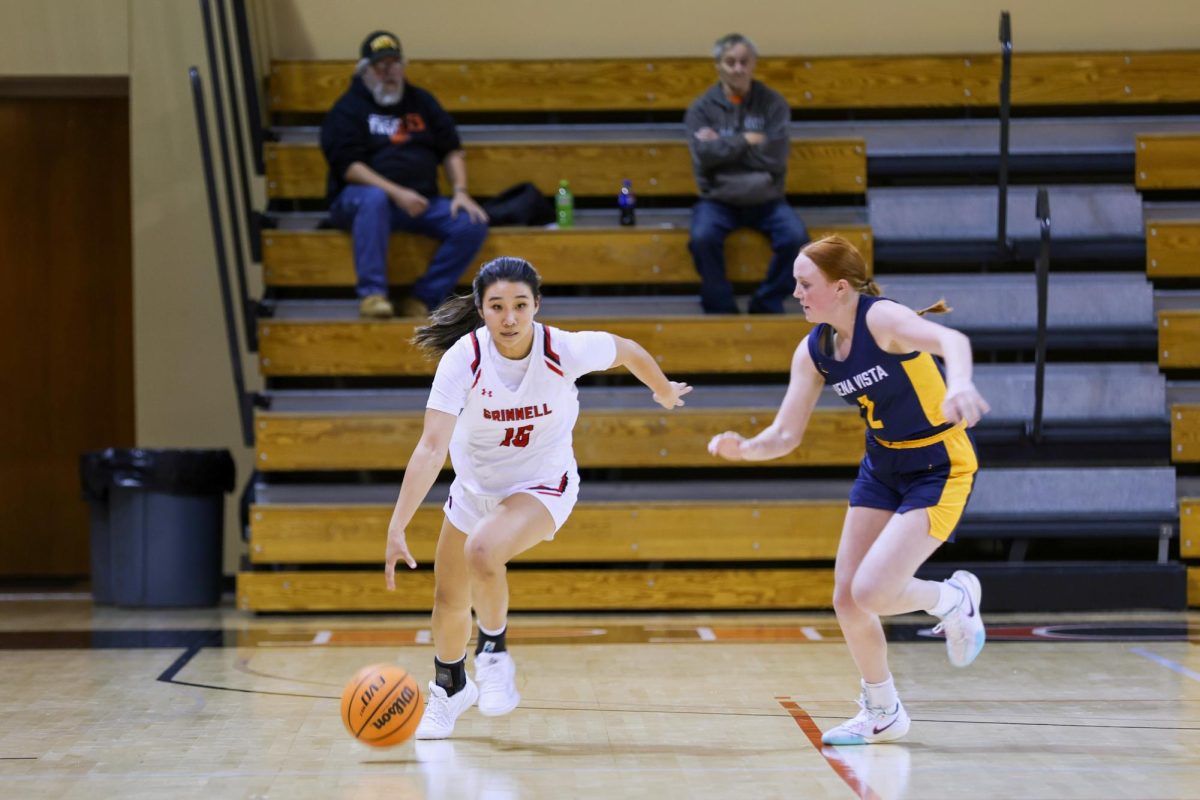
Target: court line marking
[
  {"x": 844, "y": 771},
  {"x": 1174, "y": 666}
]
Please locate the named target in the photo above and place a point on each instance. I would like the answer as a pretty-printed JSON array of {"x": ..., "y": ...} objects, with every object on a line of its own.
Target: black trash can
[
  {"x": 93, "y": 481},
  {"x": 166, "y": 525}
]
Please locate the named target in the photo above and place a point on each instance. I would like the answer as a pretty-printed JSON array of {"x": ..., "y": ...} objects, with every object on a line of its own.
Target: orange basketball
[{"x": 381, "y": 705}]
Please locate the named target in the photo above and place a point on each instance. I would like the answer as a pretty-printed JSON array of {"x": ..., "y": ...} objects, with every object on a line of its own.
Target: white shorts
[{"x": 464, "y": 508}]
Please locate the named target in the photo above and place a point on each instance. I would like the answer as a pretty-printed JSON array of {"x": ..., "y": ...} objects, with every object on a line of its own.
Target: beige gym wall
[
  {"x": 576, "y": 29},
  {"x": 45, "y": 38}
]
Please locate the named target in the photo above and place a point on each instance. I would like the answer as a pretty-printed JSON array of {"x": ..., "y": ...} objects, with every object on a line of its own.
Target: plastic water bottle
[
  {"x": 627, "y": 202},
  {"x": 564, "y": 205}
]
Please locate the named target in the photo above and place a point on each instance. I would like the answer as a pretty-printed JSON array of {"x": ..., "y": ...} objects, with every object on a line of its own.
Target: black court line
[{"x": 168, "y": 677}]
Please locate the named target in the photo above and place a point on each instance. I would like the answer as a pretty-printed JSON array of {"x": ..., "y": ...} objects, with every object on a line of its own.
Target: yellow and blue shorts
[{"x": 937, "y": 474}]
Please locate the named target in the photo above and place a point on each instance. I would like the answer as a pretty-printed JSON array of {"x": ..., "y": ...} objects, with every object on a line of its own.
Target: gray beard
[{"x": 383, "y": 97}]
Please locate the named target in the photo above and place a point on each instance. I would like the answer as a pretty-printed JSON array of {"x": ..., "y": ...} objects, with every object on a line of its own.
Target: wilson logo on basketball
[
  {"x": 398, "y": 705},
  {"x": 373, "y": 687}
]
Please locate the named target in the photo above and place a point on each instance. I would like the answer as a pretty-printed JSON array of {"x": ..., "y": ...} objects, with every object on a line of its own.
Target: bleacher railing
[
  {"x": 249, "y": 306},
  {"x": 1003, "y": 246},
  {"x": 245, "y": 400},
  {"x": 1043, "y": 287}
]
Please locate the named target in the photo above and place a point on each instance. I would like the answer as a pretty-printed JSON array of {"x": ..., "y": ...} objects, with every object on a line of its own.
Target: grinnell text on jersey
[{"x": 516, "y": 414}]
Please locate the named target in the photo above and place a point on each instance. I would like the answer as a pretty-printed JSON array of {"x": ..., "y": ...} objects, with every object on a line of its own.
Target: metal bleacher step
[
  {"x": 1084, "y": 309},
  {"x": 1085, "y": 142},
  {"x": 1091, "y": 222}
]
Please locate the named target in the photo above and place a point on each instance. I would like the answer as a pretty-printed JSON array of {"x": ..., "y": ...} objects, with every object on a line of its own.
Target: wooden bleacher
[
  {"x": 816, "y": 166},
  {"x": 1189, "y": 527},
  {"x": 316, "y": 556},
  {"x": 798, "y": 530},
  {"x": 1185, "y": 433},
  {"x": 1179, "y": 339},
  {"x": 647, "y": 84},
  {"x": 1168, "y": 161},
  {"x": 546, "y": 589},
  {"x": 576, "y": 257},
  {"x": 384, "y": 440},
  {"x": 1173, "y": 249},
  {"x": 682, "y": 344}
]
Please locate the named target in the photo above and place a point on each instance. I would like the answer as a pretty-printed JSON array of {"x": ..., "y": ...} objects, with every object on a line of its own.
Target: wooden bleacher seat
[
  {"x": 1185, "y": 433},
  {"x": 680, "y": 530},
  {"x": 581, "y": 256},
  {"x": 1179, "y": 338},
  {"x": 670, "y": 84},
  {"x": 1173, "y": 249},
  {"x": 1168, "y": 161},
  {"x": 816, "y": 166},
  {"x": 1189, "y": 527},
  {"x": 642, "y": 437},
  {"x": 547, "y": 589},
  {"x": 691, "y": 344}
]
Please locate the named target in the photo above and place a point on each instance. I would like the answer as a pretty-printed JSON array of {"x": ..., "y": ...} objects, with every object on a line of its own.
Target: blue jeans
[
  {"x": 371, "y": 217},
  {"x": 713, "y": 221}
]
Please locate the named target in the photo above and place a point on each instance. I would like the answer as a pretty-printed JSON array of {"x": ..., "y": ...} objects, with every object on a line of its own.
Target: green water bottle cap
[{"x": 563, "y": 183}]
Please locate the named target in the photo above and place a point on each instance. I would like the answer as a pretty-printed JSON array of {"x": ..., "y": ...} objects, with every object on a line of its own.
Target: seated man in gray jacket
[{"x": 738, "y": 135}]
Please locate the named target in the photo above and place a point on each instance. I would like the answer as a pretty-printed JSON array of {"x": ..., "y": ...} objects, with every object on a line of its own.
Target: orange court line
[{"x": 844, "y": 770}]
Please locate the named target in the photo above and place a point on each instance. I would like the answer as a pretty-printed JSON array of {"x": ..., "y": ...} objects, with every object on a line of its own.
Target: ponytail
[
  {"x": 448, "y": 323},
  {"x": 939, "y": 307}
]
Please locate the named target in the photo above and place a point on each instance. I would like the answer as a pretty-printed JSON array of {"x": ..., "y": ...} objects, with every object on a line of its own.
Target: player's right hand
[
  {"x": 673, "y": 397},
  {"x": 727, "y": 445},
  {"x": 397, "y": 548}
]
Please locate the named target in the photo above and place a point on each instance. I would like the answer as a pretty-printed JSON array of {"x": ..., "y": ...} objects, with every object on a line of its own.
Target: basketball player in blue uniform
[{"x": 911, "y": 381}]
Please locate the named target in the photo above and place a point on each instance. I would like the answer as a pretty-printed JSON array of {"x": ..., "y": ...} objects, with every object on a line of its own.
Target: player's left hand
[
  {"x": 672, "y": 398},
  {"x": 964, "y": 403}
]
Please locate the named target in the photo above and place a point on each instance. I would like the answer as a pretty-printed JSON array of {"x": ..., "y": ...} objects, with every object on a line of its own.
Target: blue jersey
[{"x": 898, "y": 395}]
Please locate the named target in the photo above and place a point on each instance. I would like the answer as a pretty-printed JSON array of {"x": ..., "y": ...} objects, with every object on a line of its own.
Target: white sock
[
  {"x": 485, "y": 631},
  {"x": 949, "y": 596},
  {"x": 881, "y": 695}
]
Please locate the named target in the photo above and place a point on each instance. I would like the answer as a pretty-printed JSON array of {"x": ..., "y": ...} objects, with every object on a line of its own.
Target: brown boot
[
  {"x": 375, "y": 306},
  {"x": 412, "y": 307}
]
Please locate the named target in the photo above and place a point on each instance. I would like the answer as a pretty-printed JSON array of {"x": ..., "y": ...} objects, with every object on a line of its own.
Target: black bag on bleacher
[{"x": 522, "y": 204}]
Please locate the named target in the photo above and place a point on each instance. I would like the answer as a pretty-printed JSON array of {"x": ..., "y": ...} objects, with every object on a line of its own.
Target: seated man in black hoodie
[{"x": 384, "y": 140}]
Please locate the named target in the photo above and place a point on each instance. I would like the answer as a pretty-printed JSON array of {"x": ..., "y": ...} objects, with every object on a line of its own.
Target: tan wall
[
  {"x": 64, "y": 37},
  {"x": 184, "y": 395},
  {"x": 574, "y": 28}
]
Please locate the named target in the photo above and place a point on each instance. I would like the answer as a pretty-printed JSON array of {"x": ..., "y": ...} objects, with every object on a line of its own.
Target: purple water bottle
[{"x": 627, "y": 202}]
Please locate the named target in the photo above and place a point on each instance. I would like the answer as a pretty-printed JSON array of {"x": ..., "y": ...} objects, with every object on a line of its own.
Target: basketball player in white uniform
[{"x": 503, "y": 404}]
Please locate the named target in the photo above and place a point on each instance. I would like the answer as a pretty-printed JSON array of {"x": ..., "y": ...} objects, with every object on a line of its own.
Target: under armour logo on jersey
[{"x": 485, "y": 392}]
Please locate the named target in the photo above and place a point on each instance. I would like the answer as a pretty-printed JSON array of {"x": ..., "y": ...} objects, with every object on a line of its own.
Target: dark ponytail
[{"x": 461, "y": 314}]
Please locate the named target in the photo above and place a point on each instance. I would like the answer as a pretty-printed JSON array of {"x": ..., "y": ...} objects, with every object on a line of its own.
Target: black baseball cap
[{"x": 380, "y": 45}]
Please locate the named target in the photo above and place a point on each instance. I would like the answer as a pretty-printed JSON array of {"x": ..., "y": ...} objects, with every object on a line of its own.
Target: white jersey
[{"x": 506, "y": 439}]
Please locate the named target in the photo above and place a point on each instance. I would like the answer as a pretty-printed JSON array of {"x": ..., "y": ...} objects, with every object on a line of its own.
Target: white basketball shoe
[
  {"x": 496, "y": 675},
  {"x": 963, "y": 626},
  {"x": 442, "y": 711},
  {"x": 872, "y": 724}
]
